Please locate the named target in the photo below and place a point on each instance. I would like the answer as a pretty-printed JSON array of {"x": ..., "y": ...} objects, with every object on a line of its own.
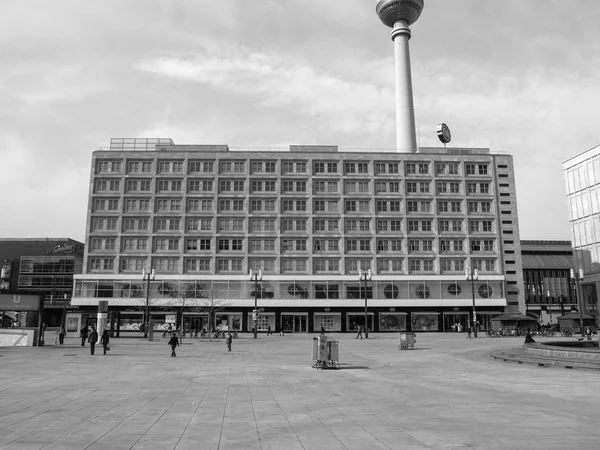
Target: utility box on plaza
[
  {"x": 407, "y": 340},
  {"x": 325, "y": 353}
]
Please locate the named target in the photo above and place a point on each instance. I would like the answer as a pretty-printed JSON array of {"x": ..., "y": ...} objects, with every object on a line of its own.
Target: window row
[
  {"x": 167, "y": 166},
  {"x": 160, "y": 224},
  {"x": 295, "y": 265}
]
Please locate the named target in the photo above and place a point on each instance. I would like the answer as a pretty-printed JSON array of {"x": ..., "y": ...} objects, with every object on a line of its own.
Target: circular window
[
  {"x": 485, "y": 291},
  {"x": 422, "y": 291},
  {"x": 391, "y": 291},
  {"x": 454, "y": 289},
  {"x": 294, "y": 289}
]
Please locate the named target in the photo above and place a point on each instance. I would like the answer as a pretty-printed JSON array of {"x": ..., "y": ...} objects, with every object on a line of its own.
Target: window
[
  {"x": 410, "y": 168},
  {"x": 133, "y": 264},
  {"x": 326, "y": 225},
  {"x": 326, "y": 265},
  {"x": 293, "y": 205},
  {"x": 288, "y": 225},
  {"x": 193, "y": 245},
  {"x": 326, "y": 245},
  {"x": 102, "y": 244},
  {"x": 231, "y": 205},
  {"x": 325, "y": 187},
  {"x": 262, "y": 167},
  {"x": 293, "y": 167},
  {"x": 232, "y": 166},
  {"x": 293, "y": 186},
  {"x": 198, "y": 166},
  {"x": 139, "y": 166},
  {"x": 293, "y": 265},
  {"x": 385, "y": 168},
  {"x": 258, "y": 225},
  {"x": 323, "y": 167},
  {"x": 389, "y": 265},
  {"x": 197, "y": 265},
  {"x": 292, "y": 245},
  {"x": 101, "y": 264},
  {"x": 131, "y": 244},
  {"x": 108, "y": 166}
]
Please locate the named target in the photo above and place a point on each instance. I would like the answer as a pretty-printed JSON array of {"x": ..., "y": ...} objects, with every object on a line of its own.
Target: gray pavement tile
[{"x": 448, "y": 396}]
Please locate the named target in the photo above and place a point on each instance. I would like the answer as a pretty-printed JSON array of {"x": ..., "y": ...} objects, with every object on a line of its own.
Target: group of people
[{"x": 92, "y": 338}]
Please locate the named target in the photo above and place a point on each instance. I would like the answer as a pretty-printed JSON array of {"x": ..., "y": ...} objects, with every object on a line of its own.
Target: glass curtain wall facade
[
  {"x": 582, "y": 180},
  {"x": 311, "y": 218}
]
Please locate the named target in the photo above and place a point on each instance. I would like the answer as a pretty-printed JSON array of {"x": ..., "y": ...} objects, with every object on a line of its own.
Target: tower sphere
[{"x": 392, "y": 11}]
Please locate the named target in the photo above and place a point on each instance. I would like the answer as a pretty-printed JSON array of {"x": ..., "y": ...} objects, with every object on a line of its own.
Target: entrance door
[
  {"x": 73, "y": 325},
  {"x": 300, "y": 324},
  {"x": 451, "y": 320}
]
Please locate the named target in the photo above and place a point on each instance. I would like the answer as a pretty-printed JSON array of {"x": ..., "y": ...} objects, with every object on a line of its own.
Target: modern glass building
[
  {"x": 310, "y": 218},
  {"x": 582, "y": 174}
]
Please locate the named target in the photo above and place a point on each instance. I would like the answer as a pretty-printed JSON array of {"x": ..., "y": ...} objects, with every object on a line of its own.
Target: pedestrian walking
[
  {"x": 61, "y": 334},
  {"x": 42, "y": 336},
  {"x": 228, "y": 339},
  {"x": 269, "y": 332},
  {"x": 468, "y": 332},
  {"x": 173, "y": 342},
  {"x": 322, "y": 330},
  {"x": 93, "y": 339},
  {"x": 359, "y": 332},
  {"x": 83, "y": 333},
  {"x": 588, "y": 333},
  {"x": 104, "y": 340}
]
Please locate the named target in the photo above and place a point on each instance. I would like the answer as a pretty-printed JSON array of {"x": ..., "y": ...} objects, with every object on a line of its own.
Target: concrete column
[
  {"x": 406, "y": 136},
  {"x": 102, "y": 322}
]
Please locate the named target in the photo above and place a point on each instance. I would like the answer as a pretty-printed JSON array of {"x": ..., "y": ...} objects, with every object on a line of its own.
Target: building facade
[
  {"x": 310, "y": 219},
  {"x": 43, "y": 267},
  {"x": 549, "y": 290},
  {"x": 582, "y": 176}
]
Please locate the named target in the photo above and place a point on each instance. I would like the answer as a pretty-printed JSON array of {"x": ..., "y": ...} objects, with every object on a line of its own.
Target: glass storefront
[
  {"x": 424, "y": 321},
  {"x": 392, "y": 321}
]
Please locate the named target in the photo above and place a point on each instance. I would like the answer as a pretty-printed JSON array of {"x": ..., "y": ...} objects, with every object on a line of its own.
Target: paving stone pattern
[{"x": 445, "y": 394}]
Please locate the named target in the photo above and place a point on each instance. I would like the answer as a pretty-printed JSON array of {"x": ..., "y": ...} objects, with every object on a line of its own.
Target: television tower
[{"x": 399, "y": 15}]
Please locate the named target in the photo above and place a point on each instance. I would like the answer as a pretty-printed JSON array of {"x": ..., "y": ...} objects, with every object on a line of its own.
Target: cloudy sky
[{"x": 516, "y": 76}]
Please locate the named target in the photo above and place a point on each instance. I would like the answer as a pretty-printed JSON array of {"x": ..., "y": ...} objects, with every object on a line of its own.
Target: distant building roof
[{"x": 546, "y": 261}]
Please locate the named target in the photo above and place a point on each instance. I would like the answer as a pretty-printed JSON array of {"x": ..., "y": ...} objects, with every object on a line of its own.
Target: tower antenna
[{"x": 399, "y": 15}]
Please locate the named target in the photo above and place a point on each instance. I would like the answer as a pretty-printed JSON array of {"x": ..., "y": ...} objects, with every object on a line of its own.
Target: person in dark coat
[
  {"x": 322, "y": 330},
  {"x": 84, "y": 335},
  {"x": 173, "y": 342},
  {"x": 528, "y": 338},
  {"x": 269, "y": 332},
  {"x": 92, "y": 340},
  {"x": 104, "y": 339},
  {"x": 61, "y": 335}
]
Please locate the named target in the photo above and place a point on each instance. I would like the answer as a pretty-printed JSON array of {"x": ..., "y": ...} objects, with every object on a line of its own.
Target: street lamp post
[
  {"x": 255, "y": 276},
  {"x": 365, "y": 276},
  {"x": 576, "y": 278},
  {"x": 471, "y": 274},
  {"x": 147, "y": 276}
]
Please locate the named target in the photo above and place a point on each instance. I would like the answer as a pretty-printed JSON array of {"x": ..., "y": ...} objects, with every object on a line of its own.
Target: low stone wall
[
  {"x": 589, "y": 354},
  {"x": 17, "y": 338}
]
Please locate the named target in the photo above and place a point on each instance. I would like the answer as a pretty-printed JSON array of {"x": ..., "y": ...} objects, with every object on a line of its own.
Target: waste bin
[
  {"x": 325, "y": 353},
  {"x": 407, "y": 340}
]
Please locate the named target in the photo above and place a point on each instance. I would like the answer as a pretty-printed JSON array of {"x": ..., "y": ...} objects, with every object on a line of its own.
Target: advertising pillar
[{"x": 102, "y": 322}]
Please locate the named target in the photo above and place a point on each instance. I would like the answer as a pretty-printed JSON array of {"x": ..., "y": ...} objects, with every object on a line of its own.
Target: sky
[{"x": 514, "y": 76}]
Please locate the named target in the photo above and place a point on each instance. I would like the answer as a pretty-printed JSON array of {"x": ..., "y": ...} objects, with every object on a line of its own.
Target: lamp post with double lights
[
  {"x": 576, "y": 278},
  {"x": 471, "y": 274},
  {"x": 365, "y": 276},
  {"x": 147, "y": 276},
  {"x": 255, "y": 276}
]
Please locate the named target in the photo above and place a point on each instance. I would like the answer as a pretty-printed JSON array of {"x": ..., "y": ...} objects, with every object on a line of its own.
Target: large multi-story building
[
  {"x": 310, "y": 218},
  {"x": 582, "y": 174},
  {"x": 40, "y": 266}
]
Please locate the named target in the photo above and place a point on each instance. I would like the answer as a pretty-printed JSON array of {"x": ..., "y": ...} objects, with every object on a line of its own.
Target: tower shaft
[{"x": 406, "y": 136}]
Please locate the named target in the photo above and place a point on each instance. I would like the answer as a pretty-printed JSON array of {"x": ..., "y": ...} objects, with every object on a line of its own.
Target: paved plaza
[{"x": 264, "y": 395}]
